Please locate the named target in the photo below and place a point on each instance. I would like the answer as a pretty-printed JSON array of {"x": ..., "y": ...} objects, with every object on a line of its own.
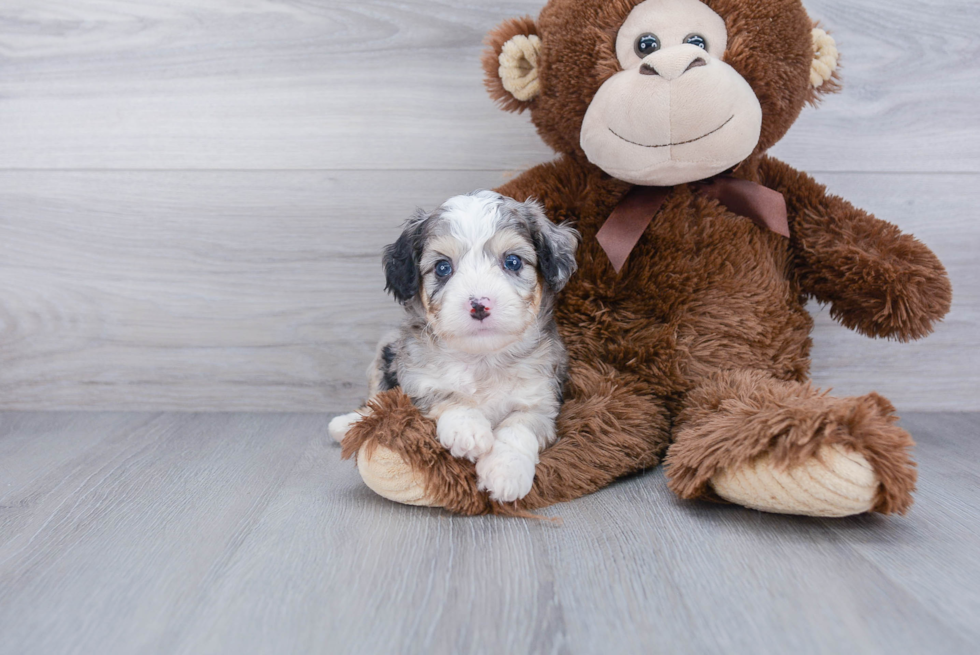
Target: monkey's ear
[
  {"x": 511, "y": 63},
  {"x": 824, "y": 78},
  {"x": 401, "y": 263}
]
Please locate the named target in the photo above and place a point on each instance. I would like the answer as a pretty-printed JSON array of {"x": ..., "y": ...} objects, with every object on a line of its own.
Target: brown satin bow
[{"x": 627, "y": 222}]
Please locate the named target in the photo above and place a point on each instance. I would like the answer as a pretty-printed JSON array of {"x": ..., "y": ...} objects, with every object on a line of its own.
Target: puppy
[{"x": 479, "y": 351}]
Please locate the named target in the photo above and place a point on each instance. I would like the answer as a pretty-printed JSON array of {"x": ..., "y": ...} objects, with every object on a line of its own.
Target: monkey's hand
[{"x": 877, "y": 280}]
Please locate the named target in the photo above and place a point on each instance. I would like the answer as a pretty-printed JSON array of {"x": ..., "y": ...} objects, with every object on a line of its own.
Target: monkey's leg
[
  {"x": 785, "y": 447},
  {"x": 611, "y": 425}
]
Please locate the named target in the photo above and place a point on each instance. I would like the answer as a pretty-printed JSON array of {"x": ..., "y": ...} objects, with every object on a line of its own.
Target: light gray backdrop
[{"x": 194, "y": 195}]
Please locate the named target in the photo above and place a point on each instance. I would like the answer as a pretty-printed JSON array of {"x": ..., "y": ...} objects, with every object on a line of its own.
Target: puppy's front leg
[
  {"x": 507, "y": 471},
  {"x": 464, "y": 432}
]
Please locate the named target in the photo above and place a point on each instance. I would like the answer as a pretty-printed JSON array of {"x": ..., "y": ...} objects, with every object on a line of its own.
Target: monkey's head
[{"x": 661, "y": 92}]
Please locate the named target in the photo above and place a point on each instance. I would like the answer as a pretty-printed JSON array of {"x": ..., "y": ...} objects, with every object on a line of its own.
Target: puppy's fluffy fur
[{"x": 479, "y": 351}]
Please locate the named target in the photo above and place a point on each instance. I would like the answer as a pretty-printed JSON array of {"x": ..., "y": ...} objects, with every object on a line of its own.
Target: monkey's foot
[
  {"x": 785, "y": 447},
  {"x": 400, "y": 458},
  {"x": 836, "y": 481},
  {"x": 388, "y": 475}
]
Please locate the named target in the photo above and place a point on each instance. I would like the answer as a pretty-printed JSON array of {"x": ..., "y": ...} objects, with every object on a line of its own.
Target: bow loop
[{"x": 629, "y": 220}]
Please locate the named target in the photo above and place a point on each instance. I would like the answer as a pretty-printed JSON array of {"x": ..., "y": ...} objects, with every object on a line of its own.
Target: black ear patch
[
  {"x": 555, "y": 246},
  {"x": 401, "y": 261},
  {"x": 549, "y": 265}
]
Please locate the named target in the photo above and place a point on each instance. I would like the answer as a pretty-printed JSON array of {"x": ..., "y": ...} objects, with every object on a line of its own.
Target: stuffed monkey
[{"x": 686, "y": 323}]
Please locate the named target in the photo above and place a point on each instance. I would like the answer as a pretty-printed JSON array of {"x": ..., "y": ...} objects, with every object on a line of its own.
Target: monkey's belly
[{"x": 708, "y": 293}]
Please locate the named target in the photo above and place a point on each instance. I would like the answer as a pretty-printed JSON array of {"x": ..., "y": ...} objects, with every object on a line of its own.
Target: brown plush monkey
[{"x": 698, "y": 347}]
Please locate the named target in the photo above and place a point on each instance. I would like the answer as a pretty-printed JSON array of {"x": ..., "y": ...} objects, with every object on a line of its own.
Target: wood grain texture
[
  {"x": 397, "y": 85},
  {"x": 198, "y": 290},
  {"x": 242, "y": 533},
  {"x": 193, "y": 195},
  {"x": 263, "y": 290}
]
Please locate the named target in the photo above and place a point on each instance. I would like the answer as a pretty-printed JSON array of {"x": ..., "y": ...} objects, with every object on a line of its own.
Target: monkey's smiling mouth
[{"x": 679, "y": 143}]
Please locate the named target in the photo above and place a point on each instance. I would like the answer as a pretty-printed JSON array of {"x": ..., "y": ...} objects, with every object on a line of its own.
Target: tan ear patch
[
  {"x": 825, "y": 58},
  {"x": 519, "y": 67}
]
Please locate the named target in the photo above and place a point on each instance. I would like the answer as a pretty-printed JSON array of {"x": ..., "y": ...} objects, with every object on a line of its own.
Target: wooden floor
[{"x": 245, "y": 533}]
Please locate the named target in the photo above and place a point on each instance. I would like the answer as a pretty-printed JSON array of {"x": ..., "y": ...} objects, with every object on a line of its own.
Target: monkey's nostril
[
  {"x": 695, "y": 64},
  {"x": 647, "y": 69}
]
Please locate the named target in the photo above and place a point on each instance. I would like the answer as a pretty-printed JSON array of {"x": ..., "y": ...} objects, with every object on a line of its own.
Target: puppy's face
[{"x": 479, "y": 268}]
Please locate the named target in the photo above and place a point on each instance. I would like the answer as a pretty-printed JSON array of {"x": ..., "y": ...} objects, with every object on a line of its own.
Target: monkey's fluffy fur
[
  {"x": 479, "y": 351},
  {"x": 700, "y": 349}
]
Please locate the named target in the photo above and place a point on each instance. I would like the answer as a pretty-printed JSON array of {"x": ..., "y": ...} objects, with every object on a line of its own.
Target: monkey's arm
[{"x": 877, "y": 280}]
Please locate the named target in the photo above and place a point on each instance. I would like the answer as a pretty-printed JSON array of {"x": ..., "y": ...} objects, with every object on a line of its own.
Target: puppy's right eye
[{"x": 444, "y": 268}]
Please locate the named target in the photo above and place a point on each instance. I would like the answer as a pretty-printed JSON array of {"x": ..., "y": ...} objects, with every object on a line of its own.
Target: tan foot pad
[
  {"x": 386, "y": 474},
  {"x": 835, "y": 482}
]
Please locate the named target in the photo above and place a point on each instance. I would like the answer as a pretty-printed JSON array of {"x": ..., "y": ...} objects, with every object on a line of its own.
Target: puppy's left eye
[
  {"x": 444, "y": 268},
  {"x": 513, "y": 263}
]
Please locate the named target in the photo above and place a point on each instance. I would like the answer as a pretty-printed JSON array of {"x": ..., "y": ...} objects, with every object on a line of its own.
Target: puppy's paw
[
  {"x": 339, "y": 425},
  {"x": 506, "y": 473},
  {"x": 465, "y": 433}
]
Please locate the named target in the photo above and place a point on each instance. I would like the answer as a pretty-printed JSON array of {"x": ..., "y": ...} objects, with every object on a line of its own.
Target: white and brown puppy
[{"x": 479, "y": 351}]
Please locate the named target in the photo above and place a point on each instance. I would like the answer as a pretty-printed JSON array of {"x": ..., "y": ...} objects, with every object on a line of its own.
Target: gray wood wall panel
[
  {"x": 354, "y": 84},
  {"x": 245, "y": 533},
  {"x": 263, "y": 290},
  {"x": 203, "y": 290},
  {"x": 193, "y": 196}
]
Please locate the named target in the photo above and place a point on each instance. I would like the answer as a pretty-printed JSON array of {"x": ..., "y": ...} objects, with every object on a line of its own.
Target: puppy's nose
[{"x": 479, "y": 308}]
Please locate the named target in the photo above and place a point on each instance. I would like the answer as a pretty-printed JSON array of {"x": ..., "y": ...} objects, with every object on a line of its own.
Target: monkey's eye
[
  {"x": 698, "y": 40},
  {"x": 646, "y": 44},
  {"x": 444, "y": 268},
  {"x": 513, "y": 263}
]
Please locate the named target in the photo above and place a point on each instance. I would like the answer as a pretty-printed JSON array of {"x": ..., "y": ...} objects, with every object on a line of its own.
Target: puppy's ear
[
  {"x": 555, "y": 246},
  {"x": 401, "y": 260}
]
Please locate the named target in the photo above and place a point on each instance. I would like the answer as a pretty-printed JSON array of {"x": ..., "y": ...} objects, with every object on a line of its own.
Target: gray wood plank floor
[
  {"x": 193, "y": 196},
  {"x": 245, "y": 533}
]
